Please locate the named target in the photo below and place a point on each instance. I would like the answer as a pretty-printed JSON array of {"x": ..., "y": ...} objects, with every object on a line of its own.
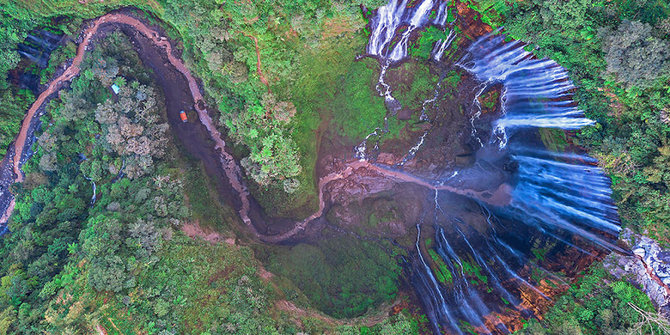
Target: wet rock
[
  {"x": 648, "y": 268},
  {"x": 392, "y": 105},
  {"x": 405, "y": 114}
]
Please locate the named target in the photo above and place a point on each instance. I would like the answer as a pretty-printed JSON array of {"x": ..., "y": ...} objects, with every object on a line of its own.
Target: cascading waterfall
[
  {"x": 563, "y": 194},
  {"x": 385, "y": 41},
  {"x": 482, "y": 278},
  {"x": 391, "y": 29},
  {"x": 537, "y": 92},
  {"x": 469, "y": 275}
]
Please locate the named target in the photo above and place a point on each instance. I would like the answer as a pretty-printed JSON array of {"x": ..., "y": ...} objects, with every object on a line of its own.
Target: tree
[
  {"x": 107, "y": 274},
  {"x": 634, "y": 55}
]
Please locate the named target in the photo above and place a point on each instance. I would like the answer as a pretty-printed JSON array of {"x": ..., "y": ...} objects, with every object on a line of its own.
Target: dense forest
[{"x": 102, "y": 235}]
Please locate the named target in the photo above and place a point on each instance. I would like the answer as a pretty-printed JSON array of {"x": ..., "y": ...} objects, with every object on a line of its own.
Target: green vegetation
[
  {"x": 491, "y": 12},
  {"x": 119, "y": 265},
  {"x": 596, "y": 304},
  {"x": 474, "y": 271},
  {"x": 341, "y": 276},
  {"x": 616, "y": 53},
  {"x": 452, "y": 78},
  {"x": 442, "y": 273},
  {"x": 426, "y": 41},
  {"x": 58, "y": 57},
  {"x": 413, "y": 84},
  {"x": 359, "y": 108},
  {"x": 13, "y": 106},
  {"x": 207, "y": 207},
  {"x": 399, "y": 324},
  {"x": 275, "y": 131},
  {"x": 57, "y": 236},
  {"x": 188, "y": 287}
]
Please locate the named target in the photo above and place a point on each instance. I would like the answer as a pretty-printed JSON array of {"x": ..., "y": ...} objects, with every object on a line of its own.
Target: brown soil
[
  {"x": 471, "y": 27},
  {"x": 193, "y": 230},
  {"x": 258, "y": 61}
]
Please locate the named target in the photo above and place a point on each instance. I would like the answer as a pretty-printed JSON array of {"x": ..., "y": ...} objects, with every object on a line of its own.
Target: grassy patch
[
  {"x": 204, "y": 200},
  {"x": 442, "y": 272},
  {"x": 341, "y": 276},
  {"x": 474, "y": 271},
  {"x": 452, "y": 78},
  {"x": 357, "y": 108},
  {"x": 413, "y": 84},
  {"x": 427, "y": 40}
]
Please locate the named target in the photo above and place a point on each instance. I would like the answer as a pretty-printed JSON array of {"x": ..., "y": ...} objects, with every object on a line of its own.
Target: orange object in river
[{"x": 183, "y": 117}]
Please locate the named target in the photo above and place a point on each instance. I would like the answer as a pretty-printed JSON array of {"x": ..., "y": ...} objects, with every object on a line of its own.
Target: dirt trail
[
  {"x": 258, "y": 61},
  {"x": 228, "y": 163}
]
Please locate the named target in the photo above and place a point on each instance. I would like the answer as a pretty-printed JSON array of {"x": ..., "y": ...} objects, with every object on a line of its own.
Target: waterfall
[
  {"x": 434, "y": 300},
  {"x": 538, "y": 92},
  {"x": 93, "y": 186},
  {"x": 554, "y": 197},
  {"x": 391, "y": 28},
  {"x": 395, "y": 22},
  {"x": 563, "y": 194},
  {"x": 442, "y": 45}
]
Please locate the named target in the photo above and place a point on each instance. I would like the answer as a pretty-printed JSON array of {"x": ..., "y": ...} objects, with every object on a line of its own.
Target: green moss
[
  {"x": 424, "y": 45},
  {"x": 357, "y": 108},
  {"x": 554, "y": 139},
  {"x": 442, "y": 273},
  {"x": 539, "y": 253},
  {"x": 341, "y": 276},
  {"x": 452, "y": 78},
  {"x": 490, "y": 99},
  {"x": 491, "y": 11},
  {"x": 13, "y": 104},
  {"x": 474, "y": 271}
]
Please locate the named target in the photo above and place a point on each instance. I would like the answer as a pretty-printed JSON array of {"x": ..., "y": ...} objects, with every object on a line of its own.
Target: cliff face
[{"x": 648, "y": 268}]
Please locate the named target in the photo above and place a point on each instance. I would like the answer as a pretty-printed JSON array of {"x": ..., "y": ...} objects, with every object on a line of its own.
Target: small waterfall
[
  {"x": 395, "y": 22},
  {"x": 391, "y": 28},
  {"x": 537, "y": 93},
  {"x": 83, "y": 158},
  {"x": 442, "y": 45},
  {"x": 38, "y": 45},
  {"x": 120, "y": 174},
  {"x": 93, "y": 197}
]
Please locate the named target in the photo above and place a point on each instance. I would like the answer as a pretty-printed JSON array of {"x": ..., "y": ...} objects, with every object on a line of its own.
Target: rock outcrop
[{"x": 648, "y": 268}]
